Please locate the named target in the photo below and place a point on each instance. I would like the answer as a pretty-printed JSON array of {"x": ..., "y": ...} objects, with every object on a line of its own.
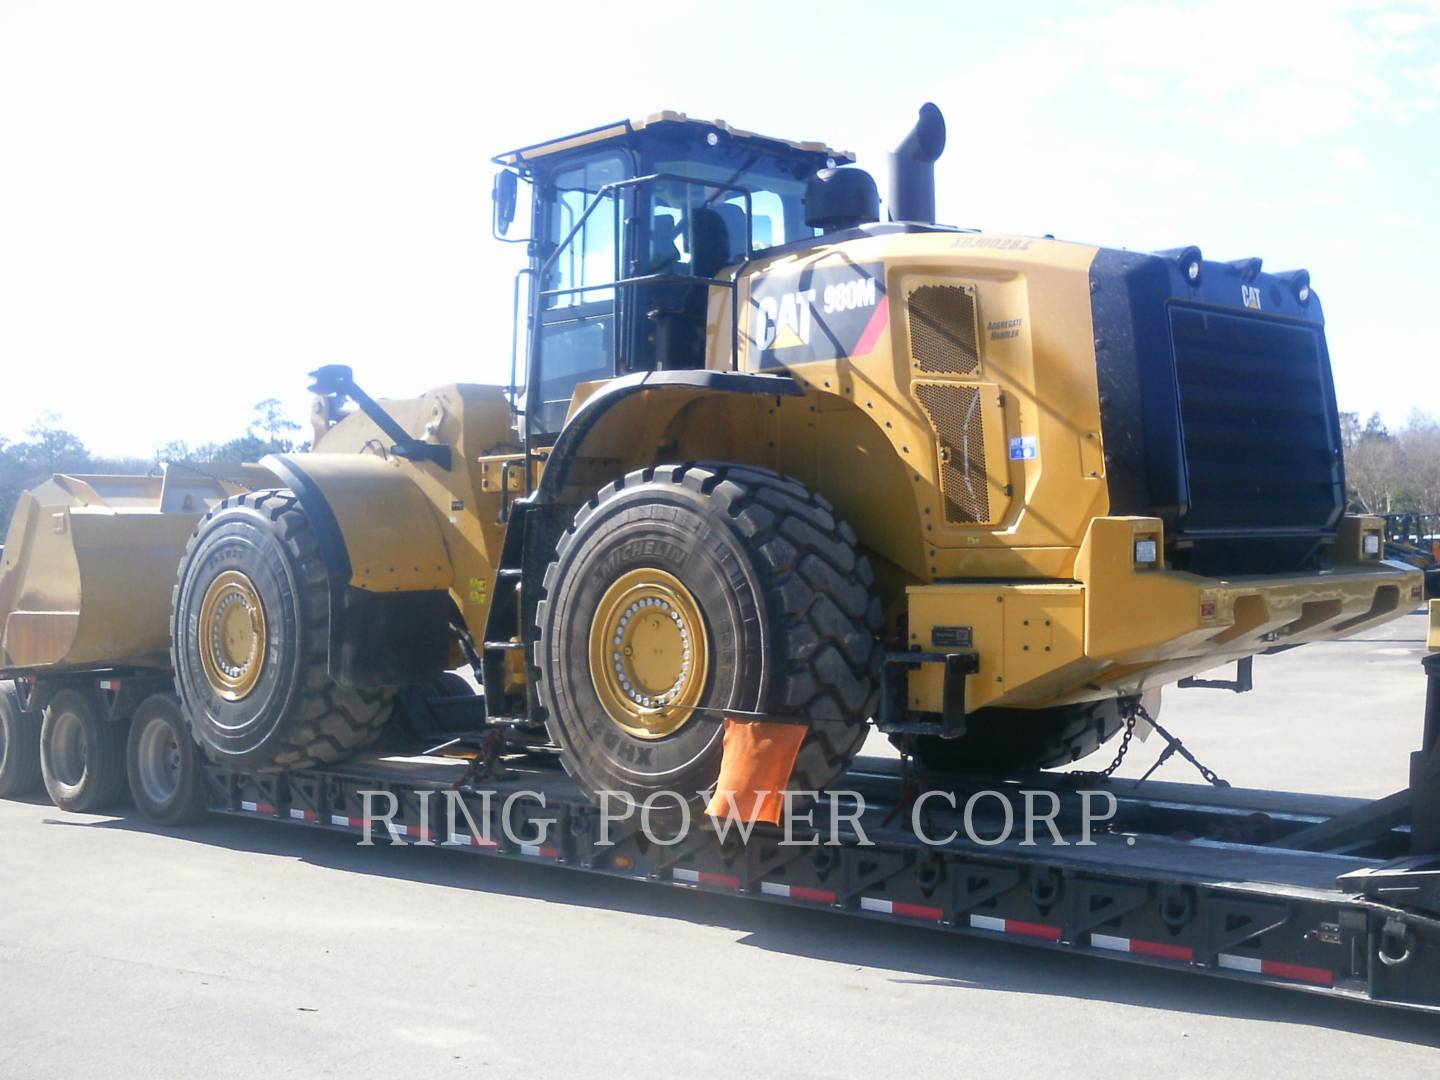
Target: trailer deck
[{"x": 1215, "y": 881}]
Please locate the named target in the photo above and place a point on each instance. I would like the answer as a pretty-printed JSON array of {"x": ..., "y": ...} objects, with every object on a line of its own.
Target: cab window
[{"x": 577, "y": 311}]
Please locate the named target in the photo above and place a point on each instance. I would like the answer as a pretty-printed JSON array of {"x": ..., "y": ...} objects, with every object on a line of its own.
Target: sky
[{"x": 200, "y": 202}]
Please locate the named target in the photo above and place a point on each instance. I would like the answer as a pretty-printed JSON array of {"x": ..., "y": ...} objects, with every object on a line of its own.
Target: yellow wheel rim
[
  {"x": 649, "y": 653},
  {"x": 232, "y": 635}
]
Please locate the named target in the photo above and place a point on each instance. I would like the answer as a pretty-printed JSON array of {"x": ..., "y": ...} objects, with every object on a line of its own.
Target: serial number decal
[
  {"x": 826, "y": 313},
  {"x": 952, "y": 637},
  {"x": 994, "y": 243}
]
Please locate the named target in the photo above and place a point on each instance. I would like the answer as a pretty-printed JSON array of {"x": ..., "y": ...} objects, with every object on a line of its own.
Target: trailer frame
[
  {"x": 1216, "y": 881},
  {"x": 1324, "y": 894}
]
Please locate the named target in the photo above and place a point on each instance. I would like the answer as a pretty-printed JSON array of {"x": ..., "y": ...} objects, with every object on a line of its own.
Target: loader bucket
[{"x": 89, "y": 564}]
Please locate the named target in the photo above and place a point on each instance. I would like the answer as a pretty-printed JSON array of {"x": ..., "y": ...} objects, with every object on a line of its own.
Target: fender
[
  {"x": 390, "y": 573},
  {"x": 688, "y": 383}
]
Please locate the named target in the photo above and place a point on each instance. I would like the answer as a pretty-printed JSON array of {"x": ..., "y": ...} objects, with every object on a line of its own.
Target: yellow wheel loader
[{"x": 770, "y": 457}]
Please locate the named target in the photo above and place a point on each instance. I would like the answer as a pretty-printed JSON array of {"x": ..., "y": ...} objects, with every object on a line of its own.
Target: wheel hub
[
  {"x": 68, "y": 749},
  {"x": 649, "y": 653},
  {"x": 158, "y": 761},
  {"x": 232, "y": 635}
]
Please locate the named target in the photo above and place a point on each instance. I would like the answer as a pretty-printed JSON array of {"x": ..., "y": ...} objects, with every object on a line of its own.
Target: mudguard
[
  {"x": 679, "y": 388},
  {"x": 390, "y": 572}
]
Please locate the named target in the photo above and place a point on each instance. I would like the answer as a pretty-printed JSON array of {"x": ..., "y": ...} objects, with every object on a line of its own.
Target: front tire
[
  {"x": 250, "y": 636},
  {"x": 685, "y": 590}
]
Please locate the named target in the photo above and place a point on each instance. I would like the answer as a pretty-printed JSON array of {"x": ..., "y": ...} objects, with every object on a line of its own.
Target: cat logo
[
  {"x": 1250, "y": 294},
  {"x": 783, "y": 321},
  {"x": 820, "y": 313}
]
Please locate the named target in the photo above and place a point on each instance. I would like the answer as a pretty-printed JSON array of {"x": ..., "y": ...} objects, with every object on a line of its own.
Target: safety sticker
[{"x": 1024, "y": 448}]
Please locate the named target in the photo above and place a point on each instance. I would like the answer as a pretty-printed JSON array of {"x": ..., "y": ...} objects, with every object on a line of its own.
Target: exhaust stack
[{"x": 912, "y": 168}]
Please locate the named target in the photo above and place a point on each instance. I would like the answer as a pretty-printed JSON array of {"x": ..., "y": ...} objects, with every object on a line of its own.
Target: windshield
[{"x": 776, "y": 200}]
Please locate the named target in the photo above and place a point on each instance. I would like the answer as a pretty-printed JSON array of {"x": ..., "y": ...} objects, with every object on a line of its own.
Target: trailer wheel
[
  {"x": 1006, "y": 742},
  {"x": 685, "y": 590},
  {"x": 167, "y": 780},
  {"x": 249, "y": 639},
  {"x": 19, "y": 745},
  {"x": 82, "y": 754}
]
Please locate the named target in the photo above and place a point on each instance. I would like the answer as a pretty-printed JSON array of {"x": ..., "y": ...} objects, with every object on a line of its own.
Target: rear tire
[
  {"x": 82, "y": 754},
  {"x": 167, "y": 779},
  {"x": 19, "y": 745},
  {"x": 250, "y": 638},
  {"x": 767, "y": 583},
  {"x": 1008, "y": 742}
]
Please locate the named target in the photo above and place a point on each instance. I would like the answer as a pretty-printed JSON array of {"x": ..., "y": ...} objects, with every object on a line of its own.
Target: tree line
[
  {"x": 49, "y": 449},
  {"x": 1389, "y": 471}
]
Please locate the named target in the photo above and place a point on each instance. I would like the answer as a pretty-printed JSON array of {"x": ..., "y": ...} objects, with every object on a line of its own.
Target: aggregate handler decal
[{"x": 817, "y": 314}]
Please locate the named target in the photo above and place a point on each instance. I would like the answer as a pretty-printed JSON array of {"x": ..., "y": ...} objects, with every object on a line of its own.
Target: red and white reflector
[
  {"x": 347, "y": 822},
  {"x": 901, "y": 908},
  {"x": 797, "y": 892},
  {"x": 471, "y": 840},
  {"x": 1277, "y": 969},
  {"x": 536, "y": 851},
  {"x": 256, "y": 807},
  {"x": 1141, "y": 947},
  {"x": 302, "y": 815},
  {"x": 704, "y": 877},
  {"x": 1015, "y": 926}
]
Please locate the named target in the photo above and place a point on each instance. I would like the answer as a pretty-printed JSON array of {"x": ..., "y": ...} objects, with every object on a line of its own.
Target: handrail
[{"x": 515, "y": 340}]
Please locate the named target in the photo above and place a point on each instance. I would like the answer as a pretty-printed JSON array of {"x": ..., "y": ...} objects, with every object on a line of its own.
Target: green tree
[{"x": 272, "y": 423}]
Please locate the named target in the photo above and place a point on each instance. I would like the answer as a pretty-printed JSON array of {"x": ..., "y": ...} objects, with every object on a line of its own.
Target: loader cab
[{"x": 632, "y": 226}]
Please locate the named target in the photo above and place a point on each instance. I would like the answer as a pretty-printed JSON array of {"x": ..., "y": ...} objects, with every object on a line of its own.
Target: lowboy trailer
[{"x": 1331, "y": 895}]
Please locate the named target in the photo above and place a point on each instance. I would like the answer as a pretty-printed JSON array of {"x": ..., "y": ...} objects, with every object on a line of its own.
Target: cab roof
[{"x": 622, "y": 129}]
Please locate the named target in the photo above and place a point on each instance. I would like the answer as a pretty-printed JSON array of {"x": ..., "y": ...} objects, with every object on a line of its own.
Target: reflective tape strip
[
  {"x": 472, "y": 841},
  {"x": 1017, "y": 927},
  {"x": 257, "y": 808},
  {"x": 347, "y": 822},
  {"x": 1141, "y": 947},
  {"x": 797, "y": 892},
  {"x": 1277, "y": 969},
  {"x": 302, "y": 815},
  {"x": 704, "y": 877},
  {"x": 535, "y": 851},
  {"x": 109, "y": 684},
  {"x": 901, "y": 908}
]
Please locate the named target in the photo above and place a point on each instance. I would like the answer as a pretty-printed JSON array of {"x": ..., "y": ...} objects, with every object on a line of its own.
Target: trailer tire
[
  {"x": 257, "y": 691},
  {"x": 82, "y": 753},
  {"x": 762, "y": 577},
  {"x": 19, "y": 745},
  {"x": 167, "y": 779},
  {"x": 1008, "y": 742}
]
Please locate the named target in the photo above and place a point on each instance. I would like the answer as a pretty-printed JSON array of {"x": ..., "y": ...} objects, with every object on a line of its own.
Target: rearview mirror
[{"x": 504, "y": 194}]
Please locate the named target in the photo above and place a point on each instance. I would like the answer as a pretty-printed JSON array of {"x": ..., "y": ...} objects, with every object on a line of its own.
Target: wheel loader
[{"x": 766, "y": 456}]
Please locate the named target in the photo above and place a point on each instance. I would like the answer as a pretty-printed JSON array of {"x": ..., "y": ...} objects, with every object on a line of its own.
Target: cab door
[{"x": 575, "y": 329}]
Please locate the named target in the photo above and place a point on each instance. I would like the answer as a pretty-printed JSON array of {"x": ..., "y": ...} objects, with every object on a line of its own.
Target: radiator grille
[
  {"x": 954, "y": 413},
  {"x": 944, "y": 334},
  {"x": 1255, "y": 412}
]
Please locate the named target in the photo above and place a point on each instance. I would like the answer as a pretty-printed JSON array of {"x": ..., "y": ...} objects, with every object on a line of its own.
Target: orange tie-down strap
[{"x": 755, "y": 770}]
